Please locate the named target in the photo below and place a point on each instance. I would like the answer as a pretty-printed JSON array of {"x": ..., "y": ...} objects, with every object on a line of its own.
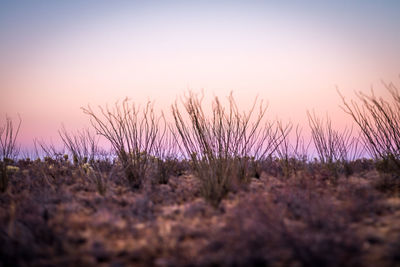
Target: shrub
[
  {"x": 8, "y": 149},
  {"x": 49, "y": 152},
  {"x": 165, "y": 160},
  {"x": 82, "y": 146},
  {"x": 8, "y": 137},
  {"x": 292, "y": 155},
  {"x": 221, "y": 146},
  {"x": 132, "y": 132},
  {"x": 379, "y": 122},
  {"x": 334, "y": 148}
]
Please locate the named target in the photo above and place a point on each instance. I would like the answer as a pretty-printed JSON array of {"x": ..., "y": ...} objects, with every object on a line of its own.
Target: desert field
[
  {"x": 200, "y": 133},
  {"x": 54, "y": 214},
  {"x": 226, "y": 188}
]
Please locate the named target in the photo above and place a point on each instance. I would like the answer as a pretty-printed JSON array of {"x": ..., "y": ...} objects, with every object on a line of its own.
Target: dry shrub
[
  {"x": 221, "y": 146},
  {"x": 48, "y": 151},
  {"x": 165, "y": 161},
  {"x": 8, "y": 149},
  {"x": 132, "y": 132},
  {"x": 8, "y": 137},
  {"x": 82, "y": 145},
  {"x": 379, "y": 122},
  {"x": 292, "y": 155},
  {"x": 335, "y": 149}
]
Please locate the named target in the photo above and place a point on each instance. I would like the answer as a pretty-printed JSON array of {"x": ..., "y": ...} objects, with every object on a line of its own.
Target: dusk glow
[
  {"x": 56, "y": 57},
  {"x": 200, "y": 133}
]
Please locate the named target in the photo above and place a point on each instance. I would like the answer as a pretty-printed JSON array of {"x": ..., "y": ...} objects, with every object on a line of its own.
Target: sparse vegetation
[
  {"x": 82, "y": 146},
  {"x": 165, "y": 158},
  {"x": 334, "y": 148},
  {"x": 132, "y": 132},
  {"x": 379, "y": 121},
  {"x": 8, "y": 150},
  {"x": 292, "y": 154},
  {"x": 47, "y": 150},
  {"x": 225, "y": 188},
  {"x": 221, "y": 146}
]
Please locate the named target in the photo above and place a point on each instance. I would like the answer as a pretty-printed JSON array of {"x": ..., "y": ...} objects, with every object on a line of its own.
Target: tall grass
[{"x": 221, "y": 146}]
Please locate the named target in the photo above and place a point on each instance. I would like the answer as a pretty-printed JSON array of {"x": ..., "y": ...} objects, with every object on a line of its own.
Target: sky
[{"x": 57, "y": 56}]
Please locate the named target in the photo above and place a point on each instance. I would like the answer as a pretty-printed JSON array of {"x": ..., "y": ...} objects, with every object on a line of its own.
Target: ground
[{"x": 51, "y": 218}]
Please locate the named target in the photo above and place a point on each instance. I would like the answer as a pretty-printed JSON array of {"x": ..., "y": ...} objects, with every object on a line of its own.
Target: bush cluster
[{"x": 223, "y": 146}]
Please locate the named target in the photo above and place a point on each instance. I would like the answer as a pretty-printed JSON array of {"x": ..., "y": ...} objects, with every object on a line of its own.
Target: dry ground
[{"x": 57, "y": 218}]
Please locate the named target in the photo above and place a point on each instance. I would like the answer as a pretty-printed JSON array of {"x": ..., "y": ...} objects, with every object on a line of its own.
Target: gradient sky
[{"x": 56, "y": 56}]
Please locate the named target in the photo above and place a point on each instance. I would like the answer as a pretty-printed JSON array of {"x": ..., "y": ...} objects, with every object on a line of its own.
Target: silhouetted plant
[
  {"x": 292, "y": 154},
  {"x": 48, "y": 151},
  {"x": 334, "y": 148},
  {"x": 82, "y": 145},
  {"x": 132, "y": 132},
  {"x": 221, "y": 146},
  {"x": 165, "y": 158},
  {"x": 8, "y": 149},
  {"x": 379, "y": 122},
  {"x": 8, "y": 137}
]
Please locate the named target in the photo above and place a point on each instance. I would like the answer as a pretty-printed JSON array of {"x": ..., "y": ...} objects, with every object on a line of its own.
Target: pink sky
[{"x": 52, "y": 66}]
